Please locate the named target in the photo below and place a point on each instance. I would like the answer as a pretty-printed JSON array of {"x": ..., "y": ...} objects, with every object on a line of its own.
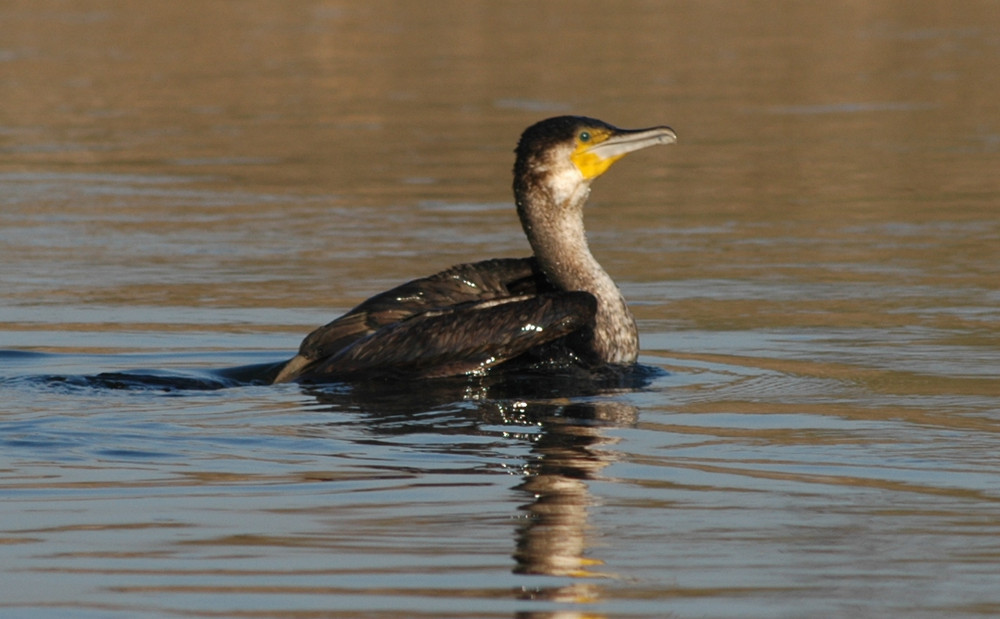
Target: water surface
[{"x": 188, "y": 187}]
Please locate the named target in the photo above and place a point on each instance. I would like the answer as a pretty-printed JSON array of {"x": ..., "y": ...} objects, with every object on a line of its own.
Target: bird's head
[{"x": 563, "y": 154}]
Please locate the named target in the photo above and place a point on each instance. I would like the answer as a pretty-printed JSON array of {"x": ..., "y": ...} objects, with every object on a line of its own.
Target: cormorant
[{"x": 556, "y": 308}]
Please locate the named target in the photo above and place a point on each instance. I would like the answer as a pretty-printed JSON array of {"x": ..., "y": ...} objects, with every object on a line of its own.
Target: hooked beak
[
  {"x": 625, "y": 141},
  {"x": 594, "y": 159}
]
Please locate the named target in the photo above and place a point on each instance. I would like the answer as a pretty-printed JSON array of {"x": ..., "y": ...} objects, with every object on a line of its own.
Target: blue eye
[{"x": 584, "y": 136}]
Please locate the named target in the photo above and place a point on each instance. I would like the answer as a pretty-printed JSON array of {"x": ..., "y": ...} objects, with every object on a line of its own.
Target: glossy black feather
[
  {"x": 465, "y": 283},
  {"x": 465, "y": 319},
  {"x": 466, "y": 338}
]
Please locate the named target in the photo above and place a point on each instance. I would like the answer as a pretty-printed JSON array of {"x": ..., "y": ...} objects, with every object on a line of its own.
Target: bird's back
[{"x": 467, "y": 318}]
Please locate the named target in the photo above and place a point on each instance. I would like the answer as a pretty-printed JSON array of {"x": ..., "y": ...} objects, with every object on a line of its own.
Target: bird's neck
[{"x": 557, "y": 236}]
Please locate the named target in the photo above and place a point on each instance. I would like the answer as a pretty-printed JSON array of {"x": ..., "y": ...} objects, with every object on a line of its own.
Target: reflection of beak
[{"x": 594, "y": 160}]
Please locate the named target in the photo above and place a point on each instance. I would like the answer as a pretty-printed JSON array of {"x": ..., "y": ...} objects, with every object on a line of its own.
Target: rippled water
[{"x": 189, "y": 188}]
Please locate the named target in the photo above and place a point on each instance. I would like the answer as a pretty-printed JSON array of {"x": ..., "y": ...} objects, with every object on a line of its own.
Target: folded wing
[{"x": 463, "y": 320}]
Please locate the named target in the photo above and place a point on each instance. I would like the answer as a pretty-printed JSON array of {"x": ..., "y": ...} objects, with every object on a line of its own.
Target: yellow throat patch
[{"x": 591, "y": 164}]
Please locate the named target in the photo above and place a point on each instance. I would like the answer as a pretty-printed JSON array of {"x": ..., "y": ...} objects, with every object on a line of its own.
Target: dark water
[{"x": 188, "y": 187}]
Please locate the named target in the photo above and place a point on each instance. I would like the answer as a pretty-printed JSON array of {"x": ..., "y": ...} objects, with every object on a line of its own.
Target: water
[{"x": 194, "y": 186}]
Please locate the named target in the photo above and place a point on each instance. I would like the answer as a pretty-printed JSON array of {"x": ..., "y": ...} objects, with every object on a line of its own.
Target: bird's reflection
[
  {"x": 569, "y": 447},
  {"x": 571, "y": 450}
]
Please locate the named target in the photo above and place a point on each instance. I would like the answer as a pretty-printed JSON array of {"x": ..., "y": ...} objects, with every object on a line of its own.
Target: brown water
[{"x": 187, "y": 186}]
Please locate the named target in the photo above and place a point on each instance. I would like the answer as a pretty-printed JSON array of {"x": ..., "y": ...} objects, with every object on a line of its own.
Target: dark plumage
[{"x": 557, "y": 307}]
